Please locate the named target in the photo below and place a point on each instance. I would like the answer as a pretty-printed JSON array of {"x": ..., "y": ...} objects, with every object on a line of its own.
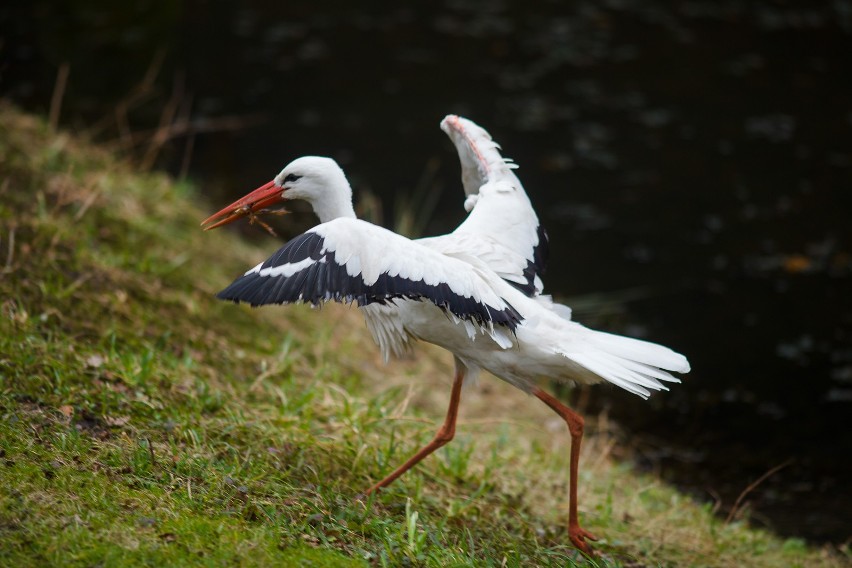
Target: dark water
[{"x": 691, "y": 160}]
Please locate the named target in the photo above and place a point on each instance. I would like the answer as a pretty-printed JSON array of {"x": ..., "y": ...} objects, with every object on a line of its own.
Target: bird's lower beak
[{"x": 254, "y": 202}]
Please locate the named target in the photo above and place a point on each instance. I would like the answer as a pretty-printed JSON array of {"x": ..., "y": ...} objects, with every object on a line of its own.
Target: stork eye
[{"x": 291, "y": 177}]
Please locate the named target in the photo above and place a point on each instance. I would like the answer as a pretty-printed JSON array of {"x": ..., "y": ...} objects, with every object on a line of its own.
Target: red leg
[
  {"x": 576, "y": 533},
  {"x": 444, "y": 435}
]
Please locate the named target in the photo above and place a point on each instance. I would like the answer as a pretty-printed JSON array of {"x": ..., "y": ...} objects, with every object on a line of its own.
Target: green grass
[{"x": 145, "y": 423}]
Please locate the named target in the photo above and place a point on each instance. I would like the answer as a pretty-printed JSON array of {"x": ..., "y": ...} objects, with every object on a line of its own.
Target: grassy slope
[{"x": 145, "y": 423}]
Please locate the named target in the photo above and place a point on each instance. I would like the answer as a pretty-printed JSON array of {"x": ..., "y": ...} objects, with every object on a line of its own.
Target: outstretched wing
[
  {"x": 502, "y": 228},
  {"x": 347, "y": 260}
]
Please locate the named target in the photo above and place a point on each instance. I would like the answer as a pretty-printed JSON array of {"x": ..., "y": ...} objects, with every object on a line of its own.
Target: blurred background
[{"x": 691, "y": 161}]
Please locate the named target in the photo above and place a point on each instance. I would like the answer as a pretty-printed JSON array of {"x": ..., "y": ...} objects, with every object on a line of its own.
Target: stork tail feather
[{"x": 632, "y": 364}]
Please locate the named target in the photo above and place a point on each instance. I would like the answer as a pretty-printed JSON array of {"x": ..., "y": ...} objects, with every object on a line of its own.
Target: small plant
[{"x": 416, "y": 539}]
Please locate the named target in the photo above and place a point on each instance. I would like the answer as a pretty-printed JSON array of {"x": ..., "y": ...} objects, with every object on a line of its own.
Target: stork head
[{"x": 314, "y": 179}]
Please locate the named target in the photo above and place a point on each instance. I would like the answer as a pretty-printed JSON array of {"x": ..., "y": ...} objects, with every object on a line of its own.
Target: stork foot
[{"x": 578, "y": 536}]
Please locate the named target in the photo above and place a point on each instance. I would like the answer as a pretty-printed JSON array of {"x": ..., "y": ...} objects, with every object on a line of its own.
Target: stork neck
[{"x": 337, "y": 202}]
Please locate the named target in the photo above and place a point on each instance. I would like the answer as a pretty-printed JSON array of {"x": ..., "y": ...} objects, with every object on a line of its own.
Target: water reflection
[{"x": 691, "y": 160}]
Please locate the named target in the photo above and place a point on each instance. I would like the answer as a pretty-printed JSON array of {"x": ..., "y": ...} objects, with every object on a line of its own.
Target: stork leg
[
  {"x": 444, "y": 435},
  {"x": 576, "y": 533}
]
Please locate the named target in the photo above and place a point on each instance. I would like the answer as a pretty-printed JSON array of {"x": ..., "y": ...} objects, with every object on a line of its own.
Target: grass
[{"x": 144, "y": 423}]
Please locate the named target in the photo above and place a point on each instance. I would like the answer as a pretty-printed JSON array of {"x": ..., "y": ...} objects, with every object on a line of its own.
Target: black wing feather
[
  {"x": 325, "y": 279},
  {"x": 535, "y": 266}
]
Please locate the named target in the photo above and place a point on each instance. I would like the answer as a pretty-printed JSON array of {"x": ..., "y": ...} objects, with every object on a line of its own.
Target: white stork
[{"x": 474, "y": 292}]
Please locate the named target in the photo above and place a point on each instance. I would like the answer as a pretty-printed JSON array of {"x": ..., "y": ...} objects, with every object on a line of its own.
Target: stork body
[{"x": 475, "y": 292}]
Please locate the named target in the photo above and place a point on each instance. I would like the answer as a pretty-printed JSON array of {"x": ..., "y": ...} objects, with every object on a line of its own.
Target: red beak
[{"x": 257, "y": 200}]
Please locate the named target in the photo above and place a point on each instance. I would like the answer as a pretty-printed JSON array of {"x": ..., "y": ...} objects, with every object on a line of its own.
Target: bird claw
[{"x": 578, "y": 536}]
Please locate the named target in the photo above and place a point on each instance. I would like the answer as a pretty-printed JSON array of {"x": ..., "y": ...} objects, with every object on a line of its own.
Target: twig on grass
[
  {"x": 751, "y": 487},
  {"x": 58, "y": 95},
  {"x": 151, "y": 453},
  {"x": 10, "y": 254}
]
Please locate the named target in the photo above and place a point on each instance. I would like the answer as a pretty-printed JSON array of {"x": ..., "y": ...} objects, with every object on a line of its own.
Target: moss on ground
[{"x": 145, "y": 423}]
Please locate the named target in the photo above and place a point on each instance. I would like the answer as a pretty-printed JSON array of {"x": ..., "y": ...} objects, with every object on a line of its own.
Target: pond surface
[{"x": 691, "y": 160}]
